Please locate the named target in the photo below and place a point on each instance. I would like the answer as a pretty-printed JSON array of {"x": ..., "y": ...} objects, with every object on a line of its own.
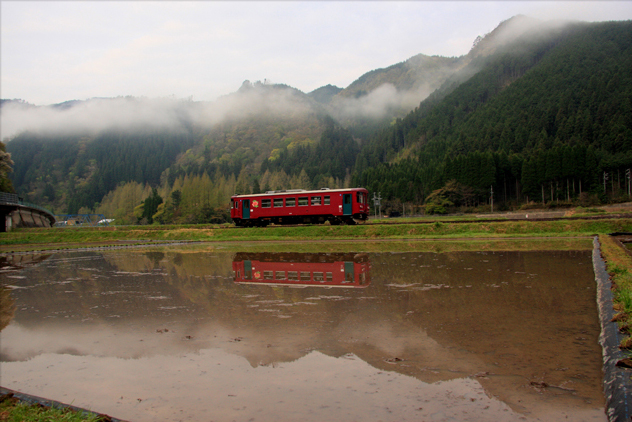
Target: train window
[
  {"x": 303, "y": 201},
  {"x": 306, "y": 276},
  {"x": 292, "y": 275},
  {"x": 279, "y": 275},
  {"x": 290, "y": 202},
  {"x": 330, "y": 276},
  {"x": 232, "y": 203},
  {"x": 318, "y": 276},
  {"x": 266, "y": 203},
  {"x": 316, "y": 200},
  {"x": 362, "y": 279},
  {"x": 346, "y": 199},
  {"x": 360, "y": 198},
  {"x": 327, "y": 200},
  {"x": 267, "y": 275},
  {"x": 278, "y": 202}
]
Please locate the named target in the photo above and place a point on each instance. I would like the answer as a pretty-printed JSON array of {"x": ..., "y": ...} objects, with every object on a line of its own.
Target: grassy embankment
[
  {"x": 44, "y": 239},
  {"x": 619, "y": 265},
  {"x": 11, "y": 409}
]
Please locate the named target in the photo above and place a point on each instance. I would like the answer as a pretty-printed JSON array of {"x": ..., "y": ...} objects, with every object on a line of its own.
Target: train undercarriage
[{"x": 302, "y": 219}]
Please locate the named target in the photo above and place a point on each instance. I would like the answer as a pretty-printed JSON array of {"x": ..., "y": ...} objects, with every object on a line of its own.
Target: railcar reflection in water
[
  {"x": 169, "y": 335},
  {"x": 303, "y": 269}
]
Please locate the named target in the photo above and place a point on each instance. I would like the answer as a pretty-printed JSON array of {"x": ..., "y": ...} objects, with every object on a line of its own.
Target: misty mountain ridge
[
  {"x": 324, "y": 94},
  {"x": 543, "y": 118},
  {"x": 378, "y": 94},
  {"x": 274, "y": 135}
]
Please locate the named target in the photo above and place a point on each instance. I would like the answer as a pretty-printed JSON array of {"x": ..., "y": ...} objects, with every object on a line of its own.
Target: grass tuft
[
  {"x": 619, "y": 266},
  {"x": 626, "y": 343},
  {"x": 13, "y": 410}
]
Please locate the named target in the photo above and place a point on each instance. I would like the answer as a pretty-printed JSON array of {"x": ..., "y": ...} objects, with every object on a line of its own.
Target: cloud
[
  {"x": 379, "y": 102},
  {"x": 87, "y": 118},
  {"x": 54, "y": 51}
]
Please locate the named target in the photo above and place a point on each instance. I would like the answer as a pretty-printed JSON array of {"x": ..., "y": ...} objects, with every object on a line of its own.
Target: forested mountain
[
  {"x": 70, "y": 172},
  {"x": 536, "y": 111},
  {"x": 74, "y": 167},
  {"x": 542, "y": 119},
  {"x": 324, "y": 94}
]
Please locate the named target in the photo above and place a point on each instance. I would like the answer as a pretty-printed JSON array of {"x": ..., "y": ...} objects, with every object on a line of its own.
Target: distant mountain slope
[
  {"x": 380, "y": 95},
  {"x": 80, "y": 150},
  {"x": 529, "y": 97},
  {"x": 419, "y": 73},
  {"x": 553, "y": 91},
  {"x": 266, "y": 120},
  {"x": 69, "y": 172},
  {"x": 324, "y": 94}
]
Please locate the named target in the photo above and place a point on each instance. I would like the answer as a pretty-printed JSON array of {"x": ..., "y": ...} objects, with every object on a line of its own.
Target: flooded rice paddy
[{"x": 209, "y": 334}]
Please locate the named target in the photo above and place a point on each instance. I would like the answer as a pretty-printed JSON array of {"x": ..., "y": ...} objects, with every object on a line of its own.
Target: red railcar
[
  {"x": 302, "y": 269},
  {"x": 298, "y": 206}
]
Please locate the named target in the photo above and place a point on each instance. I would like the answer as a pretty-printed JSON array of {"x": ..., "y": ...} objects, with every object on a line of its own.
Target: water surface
[{"x": 186, "y": 334}]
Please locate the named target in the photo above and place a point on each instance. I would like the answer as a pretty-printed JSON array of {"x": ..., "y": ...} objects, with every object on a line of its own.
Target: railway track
[{"x": 469, "y": 221}]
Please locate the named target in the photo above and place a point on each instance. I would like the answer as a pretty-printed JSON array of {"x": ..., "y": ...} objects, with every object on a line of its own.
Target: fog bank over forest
[
  {"x": 87, "y": 118},
  {"x": 377, "y": 94}
]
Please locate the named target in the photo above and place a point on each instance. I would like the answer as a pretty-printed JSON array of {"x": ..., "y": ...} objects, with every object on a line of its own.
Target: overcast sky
[{"x": 54, "y": 51}]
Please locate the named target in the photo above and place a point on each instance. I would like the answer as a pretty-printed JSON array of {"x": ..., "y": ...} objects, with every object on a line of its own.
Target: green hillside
[
  {"x": 536, "y": 111},
  {"x": 68, "y": 172},
  {"x": 544, "y": 118},
  {"x": 420, "y": 72},
  {"x": 324, "y": 94},
  {"x": 260, "y": 123}
]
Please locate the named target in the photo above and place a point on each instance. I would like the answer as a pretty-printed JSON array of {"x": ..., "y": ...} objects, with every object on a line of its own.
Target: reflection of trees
[
  {"x": 518, "y": 312},
  {"x": 7, "y": 307},
  {"x": 12, "y": 264}
]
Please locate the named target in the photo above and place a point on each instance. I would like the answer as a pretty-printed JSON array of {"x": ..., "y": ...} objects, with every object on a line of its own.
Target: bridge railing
[
  {"x": 12, "y": 198},
  {"x": 37, "y": 207},
  {"x": 9, "y": 198}
]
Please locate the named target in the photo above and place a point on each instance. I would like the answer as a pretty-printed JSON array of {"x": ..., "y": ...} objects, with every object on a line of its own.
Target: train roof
[{"x": 298, "y": 191}]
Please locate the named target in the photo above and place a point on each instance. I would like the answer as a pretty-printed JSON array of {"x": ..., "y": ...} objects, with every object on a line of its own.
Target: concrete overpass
[{"x": 16, "y": 213}]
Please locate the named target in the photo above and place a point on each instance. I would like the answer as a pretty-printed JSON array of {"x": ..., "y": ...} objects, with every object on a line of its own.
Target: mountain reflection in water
[{"x": 175, "y": 334}]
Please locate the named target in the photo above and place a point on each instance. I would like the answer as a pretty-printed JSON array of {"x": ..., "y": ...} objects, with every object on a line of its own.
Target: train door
[
  {"x": 248, "y": 270},
  {"x": 245, "y": 211},
  {"x": 349, "y": 274},
  {"x": 347, "y": 208}
]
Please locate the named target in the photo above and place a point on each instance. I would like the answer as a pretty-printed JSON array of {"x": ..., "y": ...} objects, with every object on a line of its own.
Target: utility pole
[
  {"x": 492, "y": 198},
  {"x": 377, "y": 202},
  {"x": 374, "y": 205},
  {"x": 605, "y": 179},
  {"x": 627, "y": 175}
]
